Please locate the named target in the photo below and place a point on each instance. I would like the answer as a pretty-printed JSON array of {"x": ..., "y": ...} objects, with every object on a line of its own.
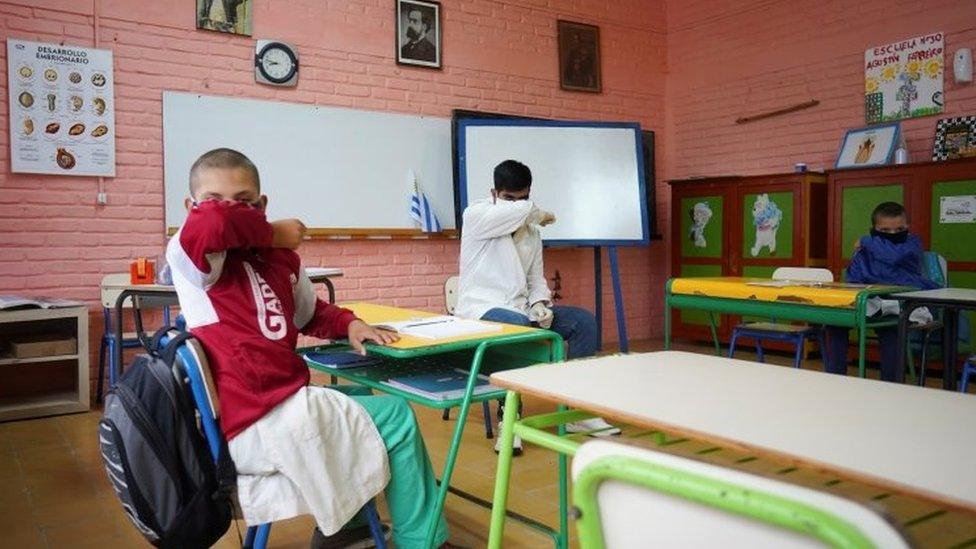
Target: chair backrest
[
  {"x": 191, "y": 361},
  {"x": 628, "y": 495},
  {"x": 935, "y": 268},
  {"x": 451, "y": 294},
  {"x": 806, "y": 274}
]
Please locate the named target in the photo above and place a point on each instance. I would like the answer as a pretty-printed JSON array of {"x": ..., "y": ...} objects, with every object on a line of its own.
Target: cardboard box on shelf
[{"x": 32, "y": 346}]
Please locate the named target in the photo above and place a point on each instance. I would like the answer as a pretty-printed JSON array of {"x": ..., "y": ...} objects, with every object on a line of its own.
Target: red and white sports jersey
[{"x": 247, "y": 302}]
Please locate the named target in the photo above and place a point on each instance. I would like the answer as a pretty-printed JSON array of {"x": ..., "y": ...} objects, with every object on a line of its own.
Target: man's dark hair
[
  {"x": 425, "y": 18},
  {"x": 227, "y": 159},
  {"x": 888, "y": 209},
  {"x": 512, "y": 175}
]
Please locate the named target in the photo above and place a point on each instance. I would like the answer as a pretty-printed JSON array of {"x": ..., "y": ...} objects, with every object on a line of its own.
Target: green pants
[{"x": 412, "y": 491}]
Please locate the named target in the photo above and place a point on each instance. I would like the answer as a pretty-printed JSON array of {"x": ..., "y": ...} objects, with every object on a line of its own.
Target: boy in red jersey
[{"x": 298, "y": 449}]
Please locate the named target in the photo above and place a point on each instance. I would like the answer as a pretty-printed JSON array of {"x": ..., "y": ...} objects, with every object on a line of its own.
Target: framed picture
[
  {"x": 418, "y": 39},
  {"x": 579, "y": 56},
  {"x": 230, "y": 16},
  {"x": 870, "y": 146},
  {"x": 955, "y": 138}
]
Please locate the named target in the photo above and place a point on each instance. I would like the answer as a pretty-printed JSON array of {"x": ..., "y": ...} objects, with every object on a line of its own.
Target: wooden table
[
  {"x": 952, "y": 300},
  {"x": 828, "y": 303},
  {"x": 845, "y": 425}
]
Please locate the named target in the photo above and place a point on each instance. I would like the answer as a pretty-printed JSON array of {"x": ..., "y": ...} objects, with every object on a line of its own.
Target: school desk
[
  {"x": 951, "y": 300},
  {"x": 905, "y": 441},
  {"x": 509, "y": 347},
  {"x": 829, "y": 303},
  {"x": 164, "y": 292}
]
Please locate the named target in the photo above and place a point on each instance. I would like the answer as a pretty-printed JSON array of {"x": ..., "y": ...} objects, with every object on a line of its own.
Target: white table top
[
  {"x": 323, "y": 272},
  {"x": 917, "y": 438},
  {"x": 316, "y": 274},
  {"x": 951, "y": 294}
]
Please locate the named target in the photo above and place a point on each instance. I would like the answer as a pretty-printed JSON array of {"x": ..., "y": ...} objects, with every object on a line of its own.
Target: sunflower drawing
[
  {"x": 890, "y": 72},
  {"x": 913, "y": 67},
  {"x": 933, "y": 68},
  {"x": 871, "y": 84}
]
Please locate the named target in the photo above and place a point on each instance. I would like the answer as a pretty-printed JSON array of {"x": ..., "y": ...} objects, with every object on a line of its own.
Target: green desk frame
[
  {"x": 497, "y": 352},
  {"x": 855, "y": 317},
  {"x": 532, "y": 429}
]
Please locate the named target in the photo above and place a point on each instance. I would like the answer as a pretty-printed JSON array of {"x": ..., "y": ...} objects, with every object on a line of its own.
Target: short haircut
[
  {"x": 512, "y": 175},
  {"x": 425, "y": 19},
  {"x": 224, "y": 159},
  {"x": 889, "y": 210}
]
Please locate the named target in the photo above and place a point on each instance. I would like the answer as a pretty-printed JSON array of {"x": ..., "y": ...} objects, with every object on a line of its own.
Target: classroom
[{"x": 487, "y": 273}]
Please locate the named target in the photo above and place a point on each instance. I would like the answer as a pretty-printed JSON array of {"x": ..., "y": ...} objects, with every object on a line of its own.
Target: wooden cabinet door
[
  {"x": 701, "y": 222},
  {"x": 951, "y": 236},
  {"x": 768, "y": 226}
]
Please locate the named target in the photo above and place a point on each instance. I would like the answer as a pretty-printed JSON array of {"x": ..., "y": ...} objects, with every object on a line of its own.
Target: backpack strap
[
  {"x": 168, "y": 353},
  {"x": 226, "y": 471},
  {"x": 155, "y": 343}
]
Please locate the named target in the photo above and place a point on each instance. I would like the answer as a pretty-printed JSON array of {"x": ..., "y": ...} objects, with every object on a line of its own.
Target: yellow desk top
[
  {"x": 824, "y": 294},
  {"x": 378, "y": 314}
]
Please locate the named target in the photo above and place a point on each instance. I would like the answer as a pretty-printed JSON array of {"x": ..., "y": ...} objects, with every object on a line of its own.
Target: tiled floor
[{"x": 53, "y": 491}]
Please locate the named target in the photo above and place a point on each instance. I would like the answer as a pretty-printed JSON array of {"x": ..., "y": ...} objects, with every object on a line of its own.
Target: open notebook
[{"x": 440, "y": 327}]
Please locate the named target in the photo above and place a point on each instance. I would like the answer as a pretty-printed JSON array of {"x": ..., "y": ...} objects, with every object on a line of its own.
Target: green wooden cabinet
[{"x": 744, "y": 226}]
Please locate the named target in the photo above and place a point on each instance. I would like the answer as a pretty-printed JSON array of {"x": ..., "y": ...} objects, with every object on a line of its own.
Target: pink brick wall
[
  {"x": 498, "y": 56},
  {"x": 732, "y": 59}
]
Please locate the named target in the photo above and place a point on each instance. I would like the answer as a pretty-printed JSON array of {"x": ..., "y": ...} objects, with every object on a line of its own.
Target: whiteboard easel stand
[{"x": 618, "y": 299}]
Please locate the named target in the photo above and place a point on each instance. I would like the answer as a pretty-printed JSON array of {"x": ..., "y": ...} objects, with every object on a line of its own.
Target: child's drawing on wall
[
  {"x": 766, "y": 216},
  {"x": 700, "y": 214}
]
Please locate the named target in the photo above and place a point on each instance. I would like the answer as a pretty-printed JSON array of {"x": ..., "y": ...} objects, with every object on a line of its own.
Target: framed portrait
[
  {"x": 955, "y": 138},
  {"x": 870, "y": 146},
  {"x": 418, "y": 28},
  {"x": 230, "y": 16},
  {"x": 579, "y": 56}
]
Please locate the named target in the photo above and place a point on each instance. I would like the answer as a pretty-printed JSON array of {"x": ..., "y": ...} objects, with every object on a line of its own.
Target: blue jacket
[{"x": 880, "y": 261}]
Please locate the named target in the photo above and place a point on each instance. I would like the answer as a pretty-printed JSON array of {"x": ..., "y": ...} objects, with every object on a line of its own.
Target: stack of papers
[
  {"x": 440, "y": 327},
  {"x": 444, "y": 385},
  {"x": 21, "y": 302}
]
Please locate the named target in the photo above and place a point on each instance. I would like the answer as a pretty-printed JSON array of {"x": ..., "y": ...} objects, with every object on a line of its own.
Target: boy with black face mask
[{"x": 890, "y": 255}]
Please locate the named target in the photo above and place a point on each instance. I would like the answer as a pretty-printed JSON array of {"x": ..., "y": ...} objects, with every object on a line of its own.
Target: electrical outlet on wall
[{"x": 101, "y": 199}]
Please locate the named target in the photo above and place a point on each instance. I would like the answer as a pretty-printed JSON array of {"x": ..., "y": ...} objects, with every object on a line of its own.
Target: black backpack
[{"x": 157, "y": 458}]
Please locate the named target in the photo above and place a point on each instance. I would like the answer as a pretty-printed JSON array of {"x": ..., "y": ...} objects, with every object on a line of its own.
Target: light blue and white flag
[{"x": 421, "y": 210}]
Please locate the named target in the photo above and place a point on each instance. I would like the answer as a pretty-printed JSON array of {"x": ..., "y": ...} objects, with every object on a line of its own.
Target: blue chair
[
  {"x": 790, "y": 333},
  {"x": 191, "y": 365},
  {"x": 968, "y": 370}
]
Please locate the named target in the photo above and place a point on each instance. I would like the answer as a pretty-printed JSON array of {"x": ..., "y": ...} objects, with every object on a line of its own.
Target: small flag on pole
[{"x": 421, "y": 210}]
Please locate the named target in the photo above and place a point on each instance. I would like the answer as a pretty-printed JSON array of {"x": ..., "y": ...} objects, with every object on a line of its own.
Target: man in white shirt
[{"x": 502, "y": 278}]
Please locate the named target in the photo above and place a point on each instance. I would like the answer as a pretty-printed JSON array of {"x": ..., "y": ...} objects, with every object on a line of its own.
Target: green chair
[{"x": 628, "y": 497}]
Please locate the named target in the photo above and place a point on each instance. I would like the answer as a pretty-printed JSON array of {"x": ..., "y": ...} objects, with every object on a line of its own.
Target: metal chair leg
[
  {"x": 100, "y": 385},
  {"x": 487, "y": 411},
  {"x": 735, "y": 336},
  {"x": 823, "y": 347},
  {"x": 799, "y": 341},
  {"x": 759, "y": 351},
  {"x": 924, "y": 358}
]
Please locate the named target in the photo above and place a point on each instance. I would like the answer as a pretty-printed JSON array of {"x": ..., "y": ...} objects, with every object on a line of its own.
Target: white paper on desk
[{"x": 440, "y": 327}]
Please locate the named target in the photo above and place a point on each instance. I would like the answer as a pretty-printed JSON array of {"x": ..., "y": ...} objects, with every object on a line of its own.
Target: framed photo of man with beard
[
  {"x": 579, "y": 56},
  {"x": 418, "y": 39}
]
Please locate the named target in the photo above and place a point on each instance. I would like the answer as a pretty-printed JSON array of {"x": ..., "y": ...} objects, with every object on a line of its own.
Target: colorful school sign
[{"x": 904, "y": 79}]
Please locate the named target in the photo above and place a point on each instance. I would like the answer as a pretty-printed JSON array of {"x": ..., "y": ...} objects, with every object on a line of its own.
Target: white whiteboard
[
  {"x": 589, "y": 174},
  {"x": 333, "y": 168}
]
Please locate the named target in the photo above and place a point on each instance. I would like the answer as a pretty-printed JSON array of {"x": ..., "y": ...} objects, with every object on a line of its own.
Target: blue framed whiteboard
[{"x": 589, "y": 174}]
